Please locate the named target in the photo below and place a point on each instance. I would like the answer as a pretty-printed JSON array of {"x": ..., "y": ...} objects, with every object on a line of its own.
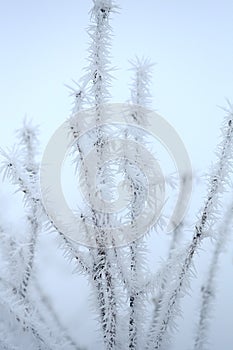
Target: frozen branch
[
  {"x": 11, "y": 168},
  {"x": 208, "y": 290},
  {"x": 204, "y": 228},
  {"x": 140, "y": 96}
]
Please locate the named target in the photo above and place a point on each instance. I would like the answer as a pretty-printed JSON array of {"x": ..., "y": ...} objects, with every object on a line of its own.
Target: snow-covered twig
[
  {"x": 12, "y": 168},
  {"x": 97, "y": 82},
  {"x": 140, "y": 96},
  {"x": 28, "y": 146},
  {"x": 204, "y": 228},
  {"x": 208, "y": 289}
]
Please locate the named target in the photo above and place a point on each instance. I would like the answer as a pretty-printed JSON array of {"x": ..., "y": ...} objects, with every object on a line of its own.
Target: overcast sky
[{"x": 43, "y": 47}]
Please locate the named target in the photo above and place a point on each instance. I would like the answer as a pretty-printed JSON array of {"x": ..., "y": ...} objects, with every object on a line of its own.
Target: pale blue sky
[{"x": 43, "y": 46}]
